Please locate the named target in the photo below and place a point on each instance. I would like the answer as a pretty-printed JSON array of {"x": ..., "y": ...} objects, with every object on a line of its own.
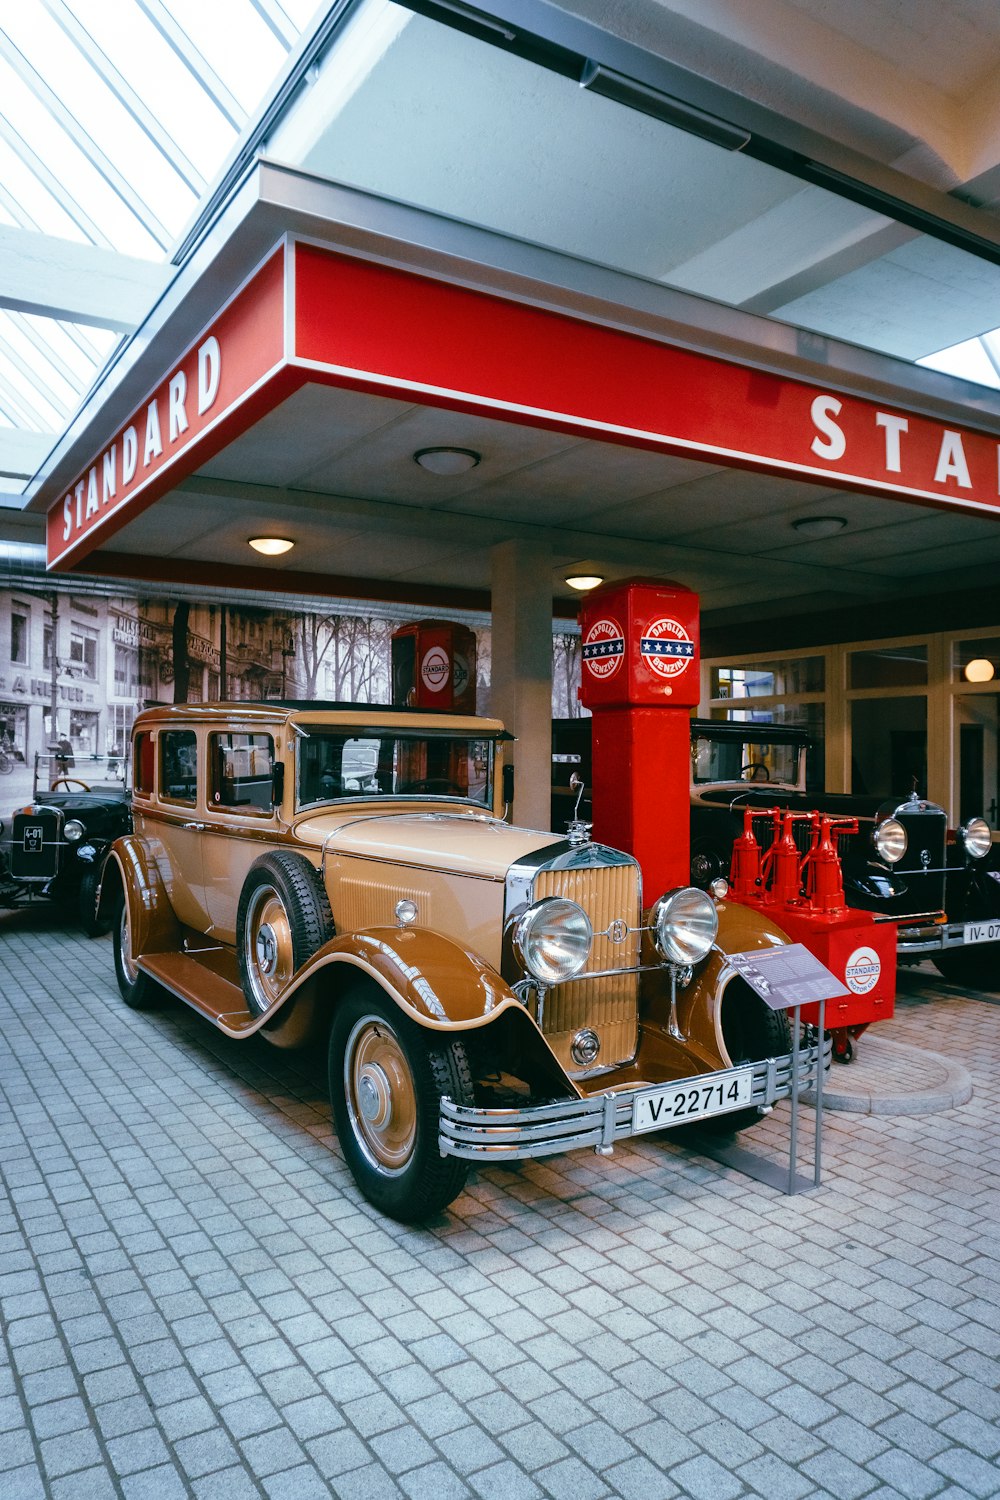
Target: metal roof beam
[
  {"x": 126, "y": 95},
  {"x": 22, "y": 452},
  {"x": 80, "y": 283},
  {"x": 196, "y": 63},
  {"x": 275, "y": 18}
]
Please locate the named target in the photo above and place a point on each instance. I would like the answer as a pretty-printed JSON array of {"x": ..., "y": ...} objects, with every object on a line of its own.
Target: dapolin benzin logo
[
  {"x": 603, "y": 648},
  {"x": 666, "y": 648},
  {"x": 862, "y": 971}
]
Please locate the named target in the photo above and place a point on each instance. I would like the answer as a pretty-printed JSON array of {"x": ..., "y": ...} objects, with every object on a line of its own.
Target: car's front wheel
[
  {"x": 387, "y": 1079},
  {"x": 979, "y": 968},
  {"x": 91, "y": 919}
]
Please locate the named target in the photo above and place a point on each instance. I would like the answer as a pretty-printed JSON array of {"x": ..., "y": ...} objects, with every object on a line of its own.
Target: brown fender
[
  {"x": 436, "y": 981},
  {"x": 154, "y": 927}
]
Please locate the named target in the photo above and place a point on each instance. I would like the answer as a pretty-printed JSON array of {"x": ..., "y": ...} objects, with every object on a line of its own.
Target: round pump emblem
[
  {"x": 603, "y": 648},
  {"x": 666, "y": 648},
  {"x": 862, "y": 971},
  {"x": 435, "y": 669}
]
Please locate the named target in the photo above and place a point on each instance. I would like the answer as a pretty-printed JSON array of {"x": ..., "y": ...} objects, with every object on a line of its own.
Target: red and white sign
[
  {"x": 862, "y": 970},
  {"x": 666, "y": 648},
  {"x": 435, "y": 669},
  {"x": 604, "y": 648},
  {"x": 365, "y": 326}
]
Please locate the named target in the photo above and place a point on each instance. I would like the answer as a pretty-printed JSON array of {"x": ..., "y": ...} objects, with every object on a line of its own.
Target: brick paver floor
[{"x": 196, "y": 1301}]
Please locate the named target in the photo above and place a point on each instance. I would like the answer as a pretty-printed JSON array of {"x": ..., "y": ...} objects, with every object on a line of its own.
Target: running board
[{"x": 210, "y": 993}]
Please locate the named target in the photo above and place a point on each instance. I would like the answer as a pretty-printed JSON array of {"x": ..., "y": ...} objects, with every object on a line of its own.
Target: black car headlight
[
  {"x": 977, "y": 837},
  {"x": 553, "y": 939},
  {"x": 685, "y": 924},
  {"x": 890, "y": 840},
  {"x": 73, "y": 831}
]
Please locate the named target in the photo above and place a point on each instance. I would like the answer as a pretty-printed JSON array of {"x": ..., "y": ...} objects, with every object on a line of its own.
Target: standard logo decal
[
  {"x": 435, "y": 669},
  {"x": 862, "y": 971},
  {"x": 604, "y": 648},
  {"x": 666, "y": 648}
]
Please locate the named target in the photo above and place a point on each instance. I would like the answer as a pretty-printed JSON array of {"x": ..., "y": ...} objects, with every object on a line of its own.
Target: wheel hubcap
[
  {"x": 130, "y": 967},
  {"x": 380, "y": 1093},
  {"x": 270, "y": 961}
]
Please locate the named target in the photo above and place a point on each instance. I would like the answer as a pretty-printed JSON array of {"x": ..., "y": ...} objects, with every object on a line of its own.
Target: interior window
[
  {"x": 179, "y": 765},
  {"x": 242, "y": 772},
  {"x": 142, "y": 766}
]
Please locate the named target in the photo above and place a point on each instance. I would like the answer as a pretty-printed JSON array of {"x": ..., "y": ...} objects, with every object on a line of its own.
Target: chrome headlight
[
  {"x": 685, "y": 924},
  {"x": 73, "y": 831},
  {"x": 976, "y": 837},
  {"x": 889, "y": 839},
  {"x": 552, "y": 939}
]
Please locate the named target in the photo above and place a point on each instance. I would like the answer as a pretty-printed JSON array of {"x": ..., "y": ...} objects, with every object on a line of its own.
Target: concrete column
[{"x": 521, "y": 675}]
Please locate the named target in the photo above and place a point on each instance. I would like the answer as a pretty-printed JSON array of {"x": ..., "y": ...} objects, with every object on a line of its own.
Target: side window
[
  {"x": 179, "y": 765},
  {"x": 142, "y": 765},
  {"x": 242, "y": 767}
]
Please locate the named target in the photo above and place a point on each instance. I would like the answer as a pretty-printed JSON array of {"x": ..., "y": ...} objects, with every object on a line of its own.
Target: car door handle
[{"x": 199, "y": 826}]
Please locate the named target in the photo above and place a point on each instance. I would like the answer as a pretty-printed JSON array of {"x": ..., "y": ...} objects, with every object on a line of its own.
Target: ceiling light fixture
[
  {"x": 584, "y": 581},
  {"x": 447, "y": 460},
  {"x": 979, "y": 670},
  {"x": 270, "y": 546},
  {"x": 817, "y": 527}
]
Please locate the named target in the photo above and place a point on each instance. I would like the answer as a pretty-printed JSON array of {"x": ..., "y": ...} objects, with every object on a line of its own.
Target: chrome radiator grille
[{"x": 608, "y": 894}]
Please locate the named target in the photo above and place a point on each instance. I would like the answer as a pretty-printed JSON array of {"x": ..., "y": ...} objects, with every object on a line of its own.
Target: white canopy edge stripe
[
  {"x": 126, "y": 95},
  {"x": 277, "y": 21},
  {"x": 196, "y": 63},
  {"x": 37, "y": 380},
  {"x": 53, "y": 186},
  {"x": 48, "y": 350},
  {"x": 84, "y": 142}
]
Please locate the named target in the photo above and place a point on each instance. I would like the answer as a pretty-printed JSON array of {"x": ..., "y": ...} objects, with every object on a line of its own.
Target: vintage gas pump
[
  {"x": 434, "y": 666},
  {"x": 640, "y": 681}
]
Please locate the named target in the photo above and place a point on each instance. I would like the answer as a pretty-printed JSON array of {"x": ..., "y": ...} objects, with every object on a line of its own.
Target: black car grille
[{"x": 35, "y": 844}]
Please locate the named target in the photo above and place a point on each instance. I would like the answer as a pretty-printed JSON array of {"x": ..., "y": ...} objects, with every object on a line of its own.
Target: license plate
[
  {"x": 981, "y": 932},
  {"x": 33, "y": 838},
  {"x": 677, "y": 1104}
]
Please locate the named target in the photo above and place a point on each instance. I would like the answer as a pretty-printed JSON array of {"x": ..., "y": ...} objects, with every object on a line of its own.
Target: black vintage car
[
  {"x": 54, "y": 847},
  {"x": 942, "y": 886}
]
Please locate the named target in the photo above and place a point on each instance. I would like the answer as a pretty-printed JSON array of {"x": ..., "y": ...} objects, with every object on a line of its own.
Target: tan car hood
[{"x": 459, "y": 842}]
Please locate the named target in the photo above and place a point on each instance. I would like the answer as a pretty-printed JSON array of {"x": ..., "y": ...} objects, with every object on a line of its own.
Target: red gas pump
[{"x": 434, "y": 666}]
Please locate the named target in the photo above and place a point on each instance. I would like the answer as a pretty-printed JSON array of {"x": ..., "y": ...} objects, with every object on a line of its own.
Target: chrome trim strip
[{"x": 599, "y": 1121}]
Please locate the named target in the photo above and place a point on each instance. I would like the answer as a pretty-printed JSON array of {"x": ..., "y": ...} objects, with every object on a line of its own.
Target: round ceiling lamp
[
  {"x": 582, "y": 582},
  {"x": 447, "y": 461},
  {"x": 270, "y": 546},
  {"x": 979, "y": 670},
  {"x": 817, "y": 527}
]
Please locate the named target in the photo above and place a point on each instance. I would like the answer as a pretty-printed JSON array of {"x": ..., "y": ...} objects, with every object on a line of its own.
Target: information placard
[{"x": 786, "y": 976}]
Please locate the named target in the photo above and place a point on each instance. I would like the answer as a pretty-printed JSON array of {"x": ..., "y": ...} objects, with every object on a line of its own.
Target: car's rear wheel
[
  {"x": 979, "y": 968},
  {"x": 283, "y": 917},
  {"x": 136, "y": 988},
  {"x": 387, "y": 1079}
]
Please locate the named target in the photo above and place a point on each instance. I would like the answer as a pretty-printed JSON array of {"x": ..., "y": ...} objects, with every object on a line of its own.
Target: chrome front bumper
[
  {"x": 930, "y": 939},
  {"x": 601, "y": 1120}
]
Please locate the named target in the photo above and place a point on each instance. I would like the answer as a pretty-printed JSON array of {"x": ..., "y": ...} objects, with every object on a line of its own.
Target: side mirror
[
  {"x": 277, "y": 783},
  {"x": 508, "y": 784}
]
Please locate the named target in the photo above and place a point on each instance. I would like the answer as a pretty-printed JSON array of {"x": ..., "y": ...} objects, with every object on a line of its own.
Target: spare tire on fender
[{"x": 283, "y": 918}]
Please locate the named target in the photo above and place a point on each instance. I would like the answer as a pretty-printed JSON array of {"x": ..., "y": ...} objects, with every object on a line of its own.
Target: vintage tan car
[{"x": 486, "y": 992}]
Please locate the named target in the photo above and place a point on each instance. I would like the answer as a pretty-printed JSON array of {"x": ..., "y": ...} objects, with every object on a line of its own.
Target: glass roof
[{"x": 115, "y": 116}]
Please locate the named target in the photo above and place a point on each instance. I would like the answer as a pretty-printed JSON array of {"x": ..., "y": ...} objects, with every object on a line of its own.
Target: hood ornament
[{"x": 577, "y": 831}]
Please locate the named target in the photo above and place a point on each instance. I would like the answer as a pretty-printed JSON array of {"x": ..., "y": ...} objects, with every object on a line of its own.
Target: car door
[
  {"x": 176, "y": 826},
  {"x": 240, "y": 818}
]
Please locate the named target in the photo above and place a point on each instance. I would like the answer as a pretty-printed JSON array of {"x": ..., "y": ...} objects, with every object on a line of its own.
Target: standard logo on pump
[
  {"x": 862, "y": 971},
  {"x": 435, "y": 669},
  {"x": 603, "y": 648},
  {"x": 666, "y": 648}
]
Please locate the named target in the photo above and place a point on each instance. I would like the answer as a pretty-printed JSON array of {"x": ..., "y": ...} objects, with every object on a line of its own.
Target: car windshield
[
  {"x": 332, "y": 766},
  {"x": 733, "y": 760}
]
